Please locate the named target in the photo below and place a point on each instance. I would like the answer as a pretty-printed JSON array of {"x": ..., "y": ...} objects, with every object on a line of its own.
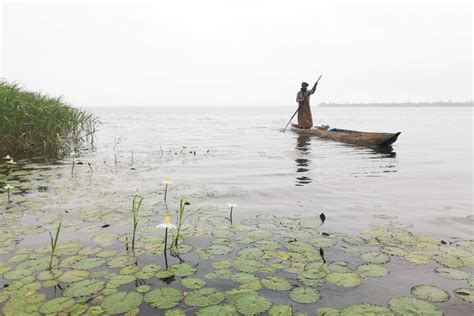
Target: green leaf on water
[
  {"x": 247, "y": 265},
  {"x": 419, "y": 257},
  {"x": 276, "y": 283},
  {"x": 304, "y": 295},
  {"x": 204, "y": 297},
  {"x": 413, "y": 306},
  {"x": 374, "y": 257},
  {"x": 394, "y": 251},
  {"x": 165, "y": 274},
  {"x": 349, "y": 279},
  {"x": 448, "y": 261},
  {"x": 372, "y": 270},
  {"x": 250, "y": 253},
  {"x": 193, "y": 283},
  {"x": 57, "y": 305},
  {"x": 84, "y": 288},
  {"x": 281, "y": 310},
  {"x": 143, "y": 288},
  {"x": 243, "y": 277},
  {"x": 223, "y": 264},
  {"x": 430, "y": 293},
  {"x": 221, "y": 310},
  {"x": 121, "y": 302},
  {"x": 252, "y": 304},
  {"x": 17, "y": 274},
  {"x": 48, "y": 275},
  {"x": 366, "y": 309},
  {"x": 118, "y": 280},
  {"x": 163, "y": 298},
  {"x": 183, "y": 269},
  {"x": 73, "y": 276},
  {"x": 88, "y": 263},
  {"x": 465, "y": 294},
  {"x": 454, "y": 274}
]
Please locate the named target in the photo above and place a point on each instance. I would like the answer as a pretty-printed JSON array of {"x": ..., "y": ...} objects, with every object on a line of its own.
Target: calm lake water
[
  {"x": 411, "y": 205},
  {"x": 426, "y": 180}
]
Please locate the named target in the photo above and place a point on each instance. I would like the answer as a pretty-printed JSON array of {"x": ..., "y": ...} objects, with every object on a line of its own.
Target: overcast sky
[{"x": 239, "y": 53}]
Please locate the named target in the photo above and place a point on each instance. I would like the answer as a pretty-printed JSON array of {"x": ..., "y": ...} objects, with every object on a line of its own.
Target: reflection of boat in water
[
  {"x": 303, "y": 163},
  {"x": 351, "y": 137}
]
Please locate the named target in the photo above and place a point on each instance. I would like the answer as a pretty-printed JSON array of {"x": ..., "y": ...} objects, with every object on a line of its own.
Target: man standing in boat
[{"x": 305, "y": 118}]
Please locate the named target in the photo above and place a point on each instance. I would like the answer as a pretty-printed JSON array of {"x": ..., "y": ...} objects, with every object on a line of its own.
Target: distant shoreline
[{"x": 420, "y": 104}]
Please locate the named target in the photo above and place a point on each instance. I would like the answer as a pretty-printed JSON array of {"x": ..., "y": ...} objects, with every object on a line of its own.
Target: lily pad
[
  {"x": 119, "y": 279},
  {"x": 419, "y": 257},
  {"x": 448, "y": 261},
  {"x": 17, "y": 274},
  {"x": 247, "y": 265},
  {"x": 252, "y": 304},
  {"x": 304, "y": 295},
  {"x": 394, "y": 251},
  {"x": 367, "y": 309},
  {"x": 349, "y": 279},
  {"x": 57, "y": 305},
  {"x": 281, "y": 310},
  {"x": 73, "y": 276},
  {"x": 374, "y": 257},
  {"x": 163, "y": 298},
  {"x": 454, "y": 274},
  {"x": 372, "y": 270},
  {"x": 88, "y": 263},
  {"x": 183, "y": 269},
  {"x": 465, "y": 294},
  {"x": 413, "y": 306},
  {"x": 83, "y": 288},
  {"x": 243, "y": 277},
  {"x": 223, "y": 264},
  {"x": 430, "y": 293},
  {"x": 221, "y": 310},
  {"x": 121, "y": 302},
  {"x": 143, "y": 288},
  {"x": 193, "y": 283},
  {"x": 276, "y": 283},
  {"x": 204, "y": 297}
]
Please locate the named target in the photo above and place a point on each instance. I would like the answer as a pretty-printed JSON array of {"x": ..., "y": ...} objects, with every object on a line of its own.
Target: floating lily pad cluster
[{"x": 267, "y": 264}]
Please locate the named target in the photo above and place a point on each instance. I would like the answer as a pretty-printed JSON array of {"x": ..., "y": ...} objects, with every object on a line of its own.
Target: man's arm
[{"x": 299, "y": 97}]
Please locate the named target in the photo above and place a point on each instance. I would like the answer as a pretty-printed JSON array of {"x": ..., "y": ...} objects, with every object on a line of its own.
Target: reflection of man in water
[
  {"x": 305, "y": 118},
  {"x": 302, "y": 163}
]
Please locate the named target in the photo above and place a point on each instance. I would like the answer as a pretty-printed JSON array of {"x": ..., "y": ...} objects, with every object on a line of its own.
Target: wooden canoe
[{"x": 351, "y": 137}]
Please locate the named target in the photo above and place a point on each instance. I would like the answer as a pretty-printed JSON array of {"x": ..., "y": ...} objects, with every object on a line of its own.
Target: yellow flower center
[{"x": 167, "y": 219}]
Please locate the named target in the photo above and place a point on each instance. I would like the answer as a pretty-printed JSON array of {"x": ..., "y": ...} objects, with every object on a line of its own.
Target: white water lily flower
[
  {"x": 11, "y": 162},
  {"x": 8, "y": 187},
  {"x": 231, "y": 204},
  {"x": 7, "y": 157},
  {"x": 167, "y": 181},
  {"x": 166, "y": 223}
]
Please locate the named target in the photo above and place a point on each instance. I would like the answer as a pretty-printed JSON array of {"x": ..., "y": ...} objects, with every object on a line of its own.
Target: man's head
[{"x": 304, "y": 86}]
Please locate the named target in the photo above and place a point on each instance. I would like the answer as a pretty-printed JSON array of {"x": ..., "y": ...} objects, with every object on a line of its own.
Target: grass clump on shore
[{"x": 34, "y": 124}]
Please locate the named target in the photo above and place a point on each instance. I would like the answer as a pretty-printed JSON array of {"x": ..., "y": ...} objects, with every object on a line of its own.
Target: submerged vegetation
[
  {"x": 34, "y": 124},
  {"x": 266, "y": 264}
]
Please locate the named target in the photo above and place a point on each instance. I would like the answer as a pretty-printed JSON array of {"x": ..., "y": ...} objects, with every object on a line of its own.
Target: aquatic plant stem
[
  {"x": 8, "y": 195},
  {"x": 166, "y": 191},
  {"x": 136, "y": 207},
  {"x": 230, "y": 215},
  {"x": 54, "y": 243},
  {"x": 166, "y": 246},
  {"x": 72, "y": 168}
]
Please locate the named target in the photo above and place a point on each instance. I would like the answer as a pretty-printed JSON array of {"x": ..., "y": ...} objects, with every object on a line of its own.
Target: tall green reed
[
  {"x": 54, "y": 243},
  {"x": 34, "y": 124},
  {"x": 137, "y": 202},
  {"x": 182, "y": 206}
]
